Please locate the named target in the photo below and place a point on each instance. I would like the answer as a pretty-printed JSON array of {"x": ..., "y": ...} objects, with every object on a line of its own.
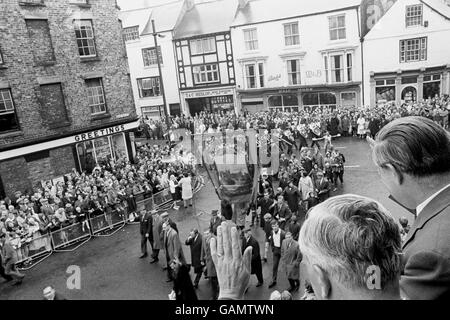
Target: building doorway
[{"x": 409, "y": 94}]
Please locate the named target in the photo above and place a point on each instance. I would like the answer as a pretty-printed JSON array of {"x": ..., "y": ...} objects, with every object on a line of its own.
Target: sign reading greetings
[{"x": 99, "y": 133}]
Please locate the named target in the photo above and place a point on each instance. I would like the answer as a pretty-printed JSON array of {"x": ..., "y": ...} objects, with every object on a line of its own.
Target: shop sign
[
  {"x": 274, "y": 78},
  {"x": 99, "y": 133},
  {"x": 314, "y": 74},
  {"x": 209, "y": 93}
]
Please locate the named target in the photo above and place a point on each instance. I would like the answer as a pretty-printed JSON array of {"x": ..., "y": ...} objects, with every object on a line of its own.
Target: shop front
[
  {"x": 27, "y": 166},
  {"x": 409, "y": 86},
  {"x": 213, "y": 100},
  {"x": 301, "y": 98}
]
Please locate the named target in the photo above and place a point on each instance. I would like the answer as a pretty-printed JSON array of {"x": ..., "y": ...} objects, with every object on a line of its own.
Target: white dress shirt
[
  {"x": 422, "y": 206},
  {"x": 277, "y": 239}
]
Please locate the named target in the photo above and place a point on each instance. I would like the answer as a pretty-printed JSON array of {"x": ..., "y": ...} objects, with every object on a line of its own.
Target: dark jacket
[
  {"x": 207, "y": 258},
  {"x": 426, "y": 252},
  {"x": 195, "y": 244},
  {"x": 322, "y": 188},
  {"x": 145, "y": 225},
  {"x": 256, "y": 256}
]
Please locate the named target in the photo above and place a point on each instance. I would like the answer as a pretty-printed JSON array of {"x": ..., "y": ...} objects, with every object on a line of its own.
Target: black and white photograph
[{"x": 225, "y": 150}]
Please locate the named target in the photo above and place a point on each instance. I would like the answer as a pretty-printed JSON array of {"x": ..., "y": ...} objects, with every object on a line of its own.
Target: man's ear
[
  {"x": 393, "y": 170},
  {"x": 323, "y": 282}
]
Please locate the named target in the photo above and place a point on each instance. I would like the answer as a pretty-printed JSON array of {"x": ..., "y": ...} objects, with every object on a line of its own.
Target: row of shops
[{"x": 398, "y": 87}]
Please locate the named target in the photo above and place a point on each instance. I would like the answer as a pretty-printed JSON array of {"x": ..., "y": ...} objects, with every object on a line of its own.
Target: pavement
[{"x": 110, "y": 268}]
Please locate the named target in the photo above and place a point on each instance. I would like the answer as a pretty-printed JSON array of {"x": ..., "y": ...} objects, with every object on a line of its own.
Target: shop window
[
  {"x": 175, "y": 109},
  {"x": 348, "y": 98},
  {"x": 311, "y": 101},
  {"x": 287, "y": 103},
  {"x": 385, "y": 90},
  {"x": 100, "y": 151},
  {"x": 431, "y": 86},
  {"x": 153, "y": 112}
]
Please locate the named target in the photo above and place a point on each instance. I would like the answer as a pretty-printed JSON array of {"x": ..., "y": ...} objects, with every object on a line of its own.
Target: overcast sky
[{"x": 135, "y": 4}]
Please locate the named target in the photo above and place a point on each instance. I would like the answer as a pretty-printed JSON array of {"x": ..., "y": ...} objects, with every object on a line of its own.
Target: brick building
[{"x": 65, "y": 93}]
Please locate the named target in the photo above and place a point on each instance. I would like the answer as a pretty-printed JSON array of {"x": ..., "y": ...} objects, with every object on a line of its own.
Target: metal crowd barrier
[
  {"x": 69, "y": 235},
  {"x": 37, "y": 249},
  {"x": 40, "y": 247}
]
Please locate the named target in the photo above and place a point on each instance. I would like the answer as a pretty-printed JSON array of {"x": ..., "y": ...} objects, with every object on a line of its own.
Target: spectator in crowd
[{"x": 413, "y": 157}]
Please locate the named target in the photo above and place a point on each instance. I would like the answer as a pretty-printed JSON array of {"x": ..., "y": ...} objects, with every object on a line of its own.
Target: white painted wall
[
  {"x": 168, "y": 69},
  {"x": 314, "y": 37},
  {"x": 382, "y": 43}
]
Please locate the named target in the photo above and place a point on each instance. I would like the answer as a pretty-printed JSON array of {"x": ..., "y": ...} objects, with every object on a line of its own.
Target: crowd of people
[
  {"x": 350, "y": 245},
  {"x": 29, "y": 215}
]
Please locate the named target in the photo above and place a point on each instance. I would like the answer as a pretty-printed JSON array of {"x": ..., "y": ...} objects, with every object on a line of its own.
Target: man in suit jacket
[
  {"x": 157, "y": 243},
  {"x": 172, "y": 246},
  {"x": 282, "y": 212},
  {"x": 256, "y": 266},
  {"x": 9, "y": 259},
  {"x": 413, "y": 159},
  {"x": 292, "y": 196},
  {"x": 266, "y": 204},
  {"x": 276, "y": 239},
  {"x": 145, "y": 229},
  {"x": 322, "y": 187},
  {"x": 194, "y": 241},
  {"x": 206, "y": 258},
  {"x": 291, "y": 258}
]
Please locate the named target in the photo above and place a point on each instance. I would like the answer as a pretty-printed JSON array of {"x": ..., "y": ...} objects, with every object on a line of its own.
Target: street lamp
[{"x": 161, "y": 83}]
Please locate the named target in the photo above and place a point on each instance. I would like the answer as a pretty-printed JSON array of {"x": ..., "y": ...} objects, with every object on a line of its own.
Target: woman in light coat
[{"x": 186, "y": 189}]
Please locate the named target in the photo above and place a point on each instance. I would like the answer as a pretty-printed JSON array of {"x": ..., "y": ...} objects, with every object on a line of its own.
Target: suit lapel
[{"x": 432, "y": 209}]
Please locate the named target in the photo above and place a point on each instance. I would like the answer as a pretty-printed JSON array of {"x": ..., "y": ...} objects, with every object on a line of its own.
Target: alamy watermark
[{"x": 73, "y": 282}]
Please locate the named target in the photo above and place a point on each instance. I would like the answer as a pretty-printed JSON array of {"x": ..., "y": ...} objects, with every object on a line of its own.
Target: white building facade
[
  {"x": 297, "y": 54},
  {"x": 407, "y": 53},
  {"x": 141, "y": 52}
]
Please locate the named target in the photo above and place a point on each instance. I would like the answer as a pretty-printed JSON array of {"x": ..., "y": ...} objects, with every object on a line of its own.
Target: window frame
[
  {"x": 342, "y": 68},
  {"x": 202, "y": 41},
  {"x": 157, "y": 50},
  {"x": 349, "y": 66},
  {"x": 152, "y": 79},
  {"x": 337, "y": 28},
  {"x": 252, "y": 43},
  {"x": 13, "y": 110},
  {"x": 94, "y": 46},
  {"x": 258, "y": 76},
  {"x": 292, "y": 35},
  {"x": 409, "y": 17},
  {"x": 422, "y": 50},
  {"x": 194, "y": 73},
  {"x": 103, "y": 95},
  {"x": 127, "y": 34},
  {"x": 290, "y": 73}
]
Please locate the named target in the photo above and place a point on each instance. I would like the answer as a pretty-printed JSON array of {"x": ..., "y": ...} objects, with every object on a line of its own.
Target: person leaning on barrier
[
  {"x": 351, "y": 249},
  {"x": 413, "y": 159}
]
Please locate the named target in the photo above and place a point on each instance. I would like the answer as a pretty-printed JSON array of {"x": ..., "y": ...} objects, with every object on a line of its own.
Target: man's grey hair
[
  {"x": 345, "y": 235},
  {"x": 413, "y": 145}
]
